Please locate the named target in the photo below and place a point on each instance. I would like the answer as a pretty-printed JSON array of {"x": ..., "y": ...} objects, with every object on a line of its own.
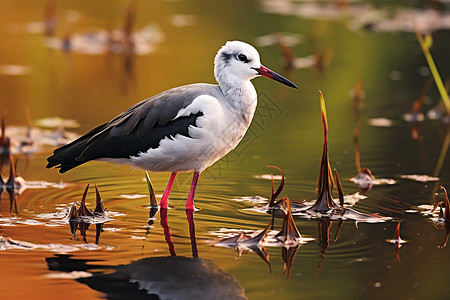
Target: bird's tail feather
[{"x": 67, "y": 157}]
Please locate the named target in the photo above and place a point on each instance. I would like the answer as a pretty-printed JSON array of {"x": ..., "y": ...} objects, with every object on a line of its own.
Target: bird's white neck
[{"x": 241, "y": 95}]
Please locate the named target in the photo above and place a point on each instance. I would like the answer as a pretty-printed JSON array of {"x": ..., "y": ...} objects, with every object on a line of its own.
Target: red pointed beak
[{"x": 263, "y": 71}]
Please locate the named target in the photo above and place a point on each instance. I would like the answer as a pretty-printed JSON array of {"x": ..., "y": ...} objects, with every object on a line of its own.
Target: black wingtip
[
  {"x": 63, "y": 168},
  {"x": 51, "y": 162}
]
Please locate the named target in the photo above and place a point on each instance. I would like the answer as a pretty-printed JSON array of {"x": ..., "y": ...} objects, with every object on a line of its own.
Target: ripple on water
[
  {"x": 9, "y": 244},
  {"x": 125, "y": 196},
  {"x": 326, "y": 242}
]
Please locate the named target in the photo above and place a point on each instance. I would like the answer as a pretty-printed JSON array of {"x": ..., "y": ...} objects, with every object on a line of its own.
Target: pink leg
[
  {"x": 190, "y": 200},
  {"x": 164, "y": 202}
]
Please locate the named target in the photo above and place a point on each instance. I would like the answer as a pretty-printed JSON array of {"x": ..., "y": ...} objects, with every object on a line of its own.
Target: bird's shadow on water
[{"x": 167, "y": 277}]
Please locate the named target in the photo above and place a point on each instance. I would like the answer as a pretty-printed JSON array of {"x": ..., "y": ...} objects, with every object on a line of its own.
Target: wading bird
[{"x": 182, "y": 129}]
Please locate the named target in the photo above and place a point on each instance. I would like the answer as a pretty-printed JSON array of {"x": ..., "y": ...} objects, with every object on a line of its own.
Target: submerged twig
[
  {"x": 83, "y": 210},
  {"x": 324, "y": 201},
  {"x": 11, "y": 183},
  {"x": 288, "y": 55},
  {"x": 15, "y": 183},
  {"x": 73, "y": 214},
  {"x": 279, "y": 189},
  {"x": 397, "y": 232},
  {"x": 289, "y": 238},
  {"x": 324, "y": 206},
  {"x": 276, "y": 207},
  {"x": 288, "y": 255},
  {"x": 323, "y": 235},
  {"x": 3, "y": 139},
  {"x": 356, "y": 145},
  {"x": 73, "y": 220},
  {"x": 338, "y": 230},
  {"x": 99, "y": 207},
  {"x": 357, "y": 93},
  {"x": 416, "y": 108},
  {"x": 364, "y": 176},
  {"x": 339, "y": 187},
  {"x": 151, "y": 191},
  {"x": 397, "y": 240},
  {"x": 80, "y": 219},
  {"x": 289, "y": 233},
  {"x": 444, "y": 215},
  {"x": 447, "y": 205},
  {"x": 5, "y": 142},
  {"x": 447, "y": 228}
]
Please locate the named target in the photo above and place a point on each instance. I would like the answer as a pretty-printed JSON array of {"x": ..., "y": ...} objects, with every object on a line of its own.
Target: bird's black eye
[{"x": 243, "y": 58}]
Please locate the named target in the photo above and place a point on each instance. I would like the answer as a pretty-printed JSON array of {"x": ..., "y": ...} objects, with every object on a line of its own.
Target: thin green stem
[{"x": 425, "y": 45}]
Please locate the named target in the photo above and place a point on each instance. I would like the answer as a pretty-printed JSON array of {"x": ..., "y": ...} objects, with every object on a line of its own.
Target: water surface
[{"x": 286, "y": 132}]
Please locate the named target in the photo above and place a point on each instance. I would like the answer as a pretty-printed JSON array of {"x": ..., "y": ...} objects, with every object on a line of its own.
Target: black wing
[{"x": 138, "y": 129}]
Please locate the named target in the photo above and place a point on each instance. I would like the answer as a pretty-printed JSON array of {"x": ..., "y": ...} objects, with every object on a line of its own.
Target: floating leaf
[
  {"x": 421, "y": 178},
  {"x": 234, "y": 240}
]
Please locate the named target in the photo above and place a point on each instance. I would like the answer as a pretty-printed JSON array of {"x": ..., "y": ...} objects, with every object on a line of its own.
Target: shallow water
[{"x": 286, "y": 132}]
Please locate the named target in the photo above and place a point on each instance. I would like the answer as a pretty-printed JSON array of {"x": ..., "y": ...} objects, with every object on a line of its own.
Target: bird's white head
[{"x": 237, "y": 62}]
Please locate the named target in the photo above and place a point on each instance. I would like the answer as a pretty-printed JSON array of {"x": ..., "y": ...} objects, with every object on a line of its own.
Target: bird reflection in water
[{"x": 170, "y": 277}]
